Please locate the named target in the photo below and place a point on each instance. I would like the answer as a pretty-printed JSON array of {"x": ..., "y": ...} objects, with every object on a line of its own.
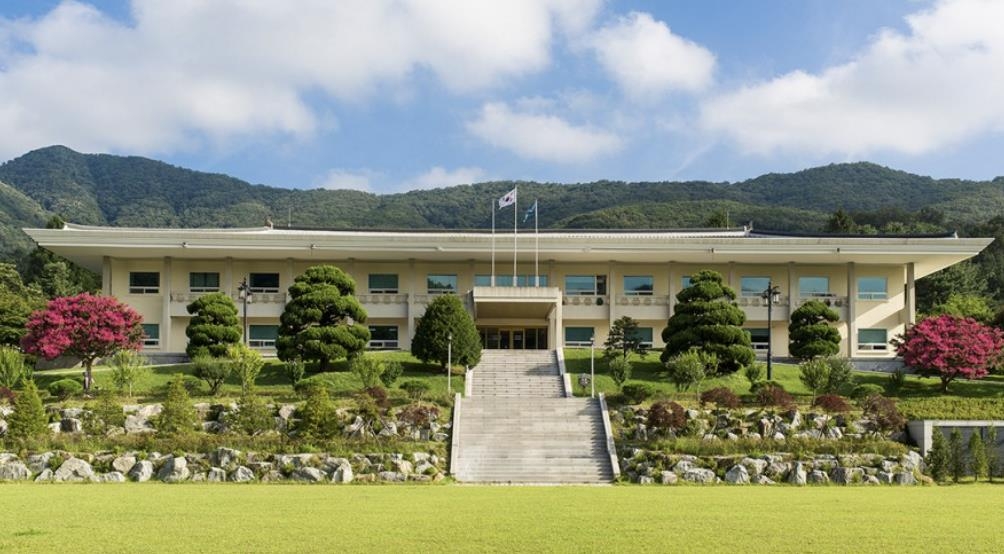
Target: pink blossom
[{"x": 950, "y": 347}]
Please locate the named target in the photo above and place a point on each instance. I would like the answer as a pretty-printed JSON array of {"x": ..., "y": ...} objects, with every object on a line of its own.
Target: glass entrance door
[
  {"x": 517, "y": 339},
  {"x": 513, "y": 338},
  {"x": 505, "y": 339}
]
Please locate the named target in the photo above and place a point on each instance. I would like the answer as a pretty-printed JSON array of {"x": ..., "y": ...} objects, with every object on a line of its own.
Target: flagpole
[
  {"x": 515, "y": 214},
  {"x": 536, "y": 243},
  {"x": 492, "y": 204}
]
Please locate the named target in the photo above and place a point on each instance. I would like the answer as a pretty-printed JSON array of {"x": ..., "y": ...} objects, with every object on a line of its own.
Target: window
[
  {"x": 645, "y": 335},
  {"x": 685, "y": 281},
  {"x": 759, "y": 338},
  {"x": 151, "y": 332},
  {"x": 262, "y": 336},
  {"x": 872, "y": 288},
  {"x": 263, "y": 282},
  {"x": 383, "y": 337},
  {"x": 203, "y": 282},
  {"x": 753, "y": 286},
  {"x": 872, "y": 339},
  {"x": 638, "y": 285},
  {"x": 441, "y": 284},
  {"x": 587, "y": 285},
  {"x": 483, "y": 280},
  {"x": 144, "y": 282},
  {"x": 383, "y": 283},
  {"x": 818, "y": 287},
  {"x": 578, "y": 336}
]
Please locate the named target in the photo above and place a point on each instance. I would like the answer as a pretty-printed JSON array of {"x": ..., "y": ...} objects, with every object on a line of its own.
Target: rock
[
  {"x": 834, "y": 433},
  {"x": 847, "y": 475},
  {"x": 216, "y": 475},
  {"x": 14, "y": 471},
  {"x": 343, "y": 474},
  {"x": 425, "y": 468},
  {"x": 113, "y": 477},
  {"x": 389, "y": 429},
  {"x": 872, "y": 480},
  {"x": 911, "y": 461},
  {"x": 645, "y": 480},
  {"x": 392, "y": 476},
  {"x": 242, "y": 474},
  {"x": 142, "y": 471},
  {"x": 683, "y": 466},
  {"x": 754, "y": 466},
  {"x": 55, "y": 428},
  {"x": 419, "y": 457},
  {"x": 404, "y": 467},
  {"x": 174, "y": 470},
  {"x": 6, "y": 457},
  {"x": 668, "y": 478},
  {"x": 731, "y": 436},
  {"x": 123, "y": 463},
  {"x": 286, "y": 411},
  {"x": 199, "y": 477},
  {"x": 44, "y": 475},
  {"x": 223, "y": 457},
  {"x": 779, "y": 436},
  {"x": 440, "y": 437},
  {"x": 763, "y": 480},
  {"x": 150, "y": 410},
  {"x": 700, "y": 475},
  {"x": 797, "y": 476},
  {"x": 260, "y": 468},
  {"x": 737, "y": 475},
  {"x": 71, "y": 413},
  {"x": 295, "y": 460},
  {"x": 271, "y": 476},
  {"x": 884, "y": 477},
  {"x": 889, "y": 466},
  {"x": 74, "y": 469},
  {"x": 818, "y": 477},
  {"x": 137, "y": 424},
  {"x": 905, "y": 478},
  {"x": 709, "y": 437},
  {"x": 308, "y": 474}
]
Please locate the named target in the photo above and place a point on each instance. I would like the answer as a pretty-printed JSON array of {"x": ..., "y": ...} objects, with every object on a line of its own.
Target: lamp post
[
  {"x": 245, "y": 294},
  {"x": 592, "y": 367},
  {"x": 771, "y": 296},
  {"x": 449, "y": 363}
]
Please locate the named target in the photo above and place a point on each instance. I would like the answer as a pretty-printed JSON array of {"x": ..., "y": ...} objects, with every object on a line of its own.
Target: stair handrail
[
  {"x": 455, "y": 438},
  {"x": 566, "y": 381},
  {"x": 468, "y": 386},
  {"x": 608, "y": 433}
]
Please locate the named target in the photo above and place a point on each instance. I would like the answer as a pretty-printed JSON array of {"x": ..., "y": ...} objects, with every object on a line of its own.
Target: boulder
[
  {"x": 242, "y": 474},
  {"x": 737, "y": 475},
  {"x": 911, "y": 461},
  {"x": 700, "y": 475},
  {"x": 905, "y": 478},
  {"x": 419, "y": 457},
  {"x": 223, "y": 457},
  {"x": 142, "y": 471},
  {"x": 113, "y": 477},
  {"x": 343, "y": 474},
  {"x": 71, "y": 413},
  {"x": 818, "y": 477},
  {"x": 308, "y": 475},
  {"x": 199, "y": 477},
  {"x": 847, "y": 475},
  {"x": 425, "y": 468},
  {"x": 6, "y": 457},
  {"x": 271, "y": 476},
  {"x": 645, "y": 480},
  {"x": 754, "y": 466},
  {"x": 295, "y": 460},
  {"x": 44, "y": 475},
  {"x": 668, "y": 478},
  {"x": 884, "y": 477},
  {"x": 872, "y": 480},
  {"x": 216, "y": 475},
  {"x": 71, "y": 425},
  {"x": 137, "y": 424},
  {"x": 392, "y": 476},
  {"x": 174, "y": 470},
  {"x": 123, "y": 463},
  {"x": 286, "y": 411},
  {"x": 55, "y": 428},
  {"x": 798, "y": 476},
  {"x": 404, "y": 466},
  {"x": 74, "y": 469},
  {"x": 14, "y": 471},
  {"x": 148, "y": 411},
  {"x": 763, "y": 480},
  {"x": 683, "y": 466},
  {"x": 440, "y": 437},
  {"x": 834, "y": 433}
]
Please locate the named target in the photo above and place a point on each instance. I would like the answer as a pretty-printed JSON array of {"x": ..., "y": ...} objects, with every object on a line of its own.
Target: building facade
[{"x": 565, "y": 287}]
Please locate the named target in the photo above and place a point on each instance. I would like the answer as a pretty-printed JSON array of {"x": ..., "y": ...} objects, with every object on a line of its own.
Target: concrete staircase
[{"x": 517, "y": 426}]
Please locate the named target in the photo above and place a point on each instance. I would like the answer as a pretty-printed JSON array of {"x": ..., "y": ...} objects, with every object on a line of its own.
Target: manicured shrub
[
  {"x": 665, "y": 415},
  {"x": 368, "y": 369},
  {"x": 65, "y": 388},
  {"x": 379, "y": 396},
  {"x": 636, "y": 393},
  {"x": 938, "y": 458},
  {"x": 774, "y": 395},
  {"x": 721, "y": 397},
  {"x": 978, "y": 463},
  {"x": 214, "y": 371},
  {"x": 620, "y": 370},
  {"x": 690, "y": 368},
  {"x": 253, "y": 415},
  {"x": 12, "y": 367},
  {"x": 897, "y": 379},
  {"x": 956, "y": 455},
  {"x": 246, "y": 363},
  {"x": 810, "y": 333},
  {"x": 294, "y": 370},
  {"x": 753, "y": 373},
  {"x": 950, "y": 347},
  {"x": 213, "y": 327},
  {"x": 128, "y": 367},
  {"x": 28, "y": 421},
  {"x": 392, "y": 370},
  {"x": 884, "y": 412},
  {"x": 444, "y": 317},
  {"x": 317, "y": 417},
  {"x": 862, "y": 392},
  {"x": 832, "y": 403},
  {"x": 948, "y": 407},
  {"x": 7, "y": 396},
  {"x": 418, "y": 415},
  {"x": 178, "y": 415},
  {"x": 106, "y": 413},
  {"x": 416, "y": 389},
  {"x": 840, "y": 375}
]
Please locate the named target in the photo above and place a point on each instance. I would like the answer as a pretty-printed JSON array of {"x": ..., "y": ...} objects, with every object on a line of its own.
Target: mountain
[{"x": 102, "y": 189}]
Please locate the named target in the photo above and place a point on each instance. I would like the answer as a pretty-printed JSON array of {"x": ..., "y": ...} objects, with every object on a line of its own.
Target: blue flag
[{"x": 530, "y": 211}]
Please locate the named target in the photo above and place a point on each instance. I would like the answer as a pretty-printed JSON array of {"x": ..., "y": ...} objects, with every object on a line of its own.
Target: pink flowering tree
[
  {"x": 950, "y": 347},
  {"x": 84, "y": 326}
]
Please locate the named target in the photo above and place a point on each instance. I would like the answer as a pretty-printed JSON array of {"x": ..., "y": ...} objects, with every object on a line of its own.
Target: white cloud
[
  {"x": 935, "y": 86},
  {"x": 437, "y": 177},
  {"x": 186, "y": 71},
  {"x": 541, "y": 136},
  {"x": 646, "y": 59},
  {"x": 348, "y": 179}
]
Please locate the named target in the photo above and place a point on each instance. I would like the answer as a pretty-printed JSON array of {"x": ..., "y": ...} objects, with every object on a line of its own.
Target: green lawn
[{"x": 327, "y": 518}]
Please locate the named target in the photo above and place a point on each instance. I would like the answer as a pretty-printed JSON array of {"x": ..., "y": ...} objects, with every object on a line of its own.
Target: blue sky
[{"x": 395, "y": 95}]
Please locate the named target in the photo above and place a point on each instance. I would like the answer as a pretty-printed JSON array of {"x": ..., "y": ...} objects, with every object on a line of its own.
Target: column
[
  {"x": 409, "y": 324},
  {"x": 852, "y": 301},
  {"x": 612, "y": 292},
  {"x": 732, "y": 276},
  {"x": 165, "y": 316},
  {"x": 671, "y": 301},
  {"x": 910, "y": 299},
  {"x": 558, "y": 324},
  {"x": 228, "y": 277},
  {"x": 106, "y": 276}
]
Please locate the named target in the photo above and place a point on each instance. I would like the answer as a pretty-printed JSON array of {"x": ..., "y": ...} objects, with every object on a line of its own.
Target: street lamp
[
  {"x": 449, "y": 363},
  {"x": 592, "y": 367},
  {"x": 245, "y": 295},
  {"x": 772, "y": 295}
]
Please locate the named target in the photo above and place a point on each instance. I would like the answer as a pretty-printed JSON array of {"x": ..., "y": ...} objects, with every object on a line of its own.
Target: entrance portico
[{"x": 518, "y": 317}]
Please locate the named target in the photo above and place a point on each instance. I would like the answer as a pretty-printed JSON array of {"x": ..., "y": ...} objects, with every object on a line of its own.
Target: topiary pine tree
[
  {"x": 446, "y": 315},
  {"x": 28, "y": 421},
  {"x": 938, "y": 458},
  {"x": 214, "y": 326},
  {"x": 323, "y": 321},
  {"x": 810, "y": 334},
  {"x": 956, "y": 455},
  {"x": 178, "y": 415},
  {"x": 624, "y": 340},
  {"x": 706, "y": 317},
  {"x": 978, "y": 462}
]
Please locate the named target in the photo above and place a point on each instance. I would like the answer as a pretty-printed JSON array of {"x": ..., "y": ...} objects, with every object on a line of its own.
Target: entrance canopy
[{"x": 534, "y": 303}]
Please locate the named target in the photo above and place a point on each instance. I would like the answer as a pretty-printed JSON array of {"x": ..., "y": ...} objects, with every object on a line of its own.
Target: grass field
[{"x": 315, "y": 518}]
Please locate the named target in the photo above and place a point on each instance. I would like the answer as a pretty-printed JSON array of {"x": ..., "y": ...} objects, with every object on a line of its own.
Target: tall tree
[
  {"x": 444, "y": 317},
  {"x": 810, "y": 334},
  {"x": 83, "y": 326},
  {"x": 706, "y": 317},
  {"x": 950, "y": 347},
  {"x": 28, "y": 421},
  {"x": 214, "y": 326},
  {"x": 962, "y": 278},
  {"x": 624, "y": 339},
  {"x": 841, "y": 222},
  {"x": 17, "y": 301},
  {"x": 323, "y": 321}
]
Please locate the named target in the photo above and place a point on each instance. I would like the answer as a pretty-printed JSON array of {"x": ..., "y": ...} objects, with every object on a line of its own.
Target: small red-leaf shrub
[
  {"x": 379, "y": 396},
  {"x": 832, "y": 403},
  {"x": 721, "y": 397},
  {"x": 667, "y": 415},
  {"x": 7, "y": 395},
  {"x": 884, "y": 411},
  {"x": 950, "y": 346},
  {"x": 418, "y": 415},
  {"x": 773, "y": 395}
]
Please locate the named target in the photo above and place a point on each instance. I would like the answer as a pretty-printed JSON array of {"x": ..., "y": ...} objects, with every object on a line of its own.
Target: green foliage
[
  {"x": 706, "y": 317},
  {"x": 753, "y": 373},
  {"x": 28, "y": 421},
  {"x": 897, "y": 379},
  {"x": 884, "y": 412},
  {"x": 814, "y": 374},
  {"x": 416, "y": 389},
  {"x": 992, "y": 455},
  {"x": 773, "y": 394},
  {"x": 689, "y": 369},
  {"x": 294, "y": 370},
  {"x": 623, "y": 339},
  {"x": 106, "y": 413},
  {"x": 636, "y": 393},
  {"x": 721, "y": 397},
  {"x": 246, "y": 363},
  {"x": 368, "y": 369},
  {"x": 956, "y": 455},
  {"x": 178, "y": 415},
  {"x": 392, "y": 370},
  {"x": 214, "y": 371},
  {"x": 620, "y": 370},
  {"x": 965, "y": 305},
  {"x": 861, "y": 392},
  {"x": 17, "y": 302},
  {"x": 65, "y": 388},
  {"x": 947, "y": 407},
  {"x": 213, "y": 327},
  {"x": 665, "y": 415},
  {"x": 938, "y": 458},
  {"x": 444, "y": 317},
  {"x": 841, "y": 375},
  {"x": 128, "y": 367},
  {"x": 13, "y": 370},
  {"x": 317, "y": 414},
  {"x": 253, "y": 415},
  {"x": 810, "y": 334},
  {"x": 979, "y": 465},
  {"x": 964, "y": 278},
  {"x": 841, "y": 222},
  {"x": 323, "y": 320}
]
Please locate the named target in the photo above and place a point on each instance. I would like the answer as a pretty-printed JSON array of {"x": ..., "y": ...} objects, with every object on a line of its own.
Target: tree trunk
[
  {"x": 944, "y": 384},
  {"x": 88, "y": 376}
]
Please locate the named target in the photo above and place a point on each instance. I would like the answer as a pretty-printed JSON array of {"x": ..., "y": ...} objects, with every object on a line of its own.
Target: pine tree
[
  {"x": 444, "y": 317},
  {"x": 706, "y": 317},
  {"x": 178, "y": 414},
  {"x": 810, "y": 334},
  {"x": 978, "y": 462},
  {"x": 993, "y": 458},
  {"x": 938, "y": 458},
  {"x": 623, "y": 339},
  {"x": 214, "y": 326},
  {"x": 956, "y": 455},
  {"x": 28, "y": 422},
  {"x": 317, "y": 414}
]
